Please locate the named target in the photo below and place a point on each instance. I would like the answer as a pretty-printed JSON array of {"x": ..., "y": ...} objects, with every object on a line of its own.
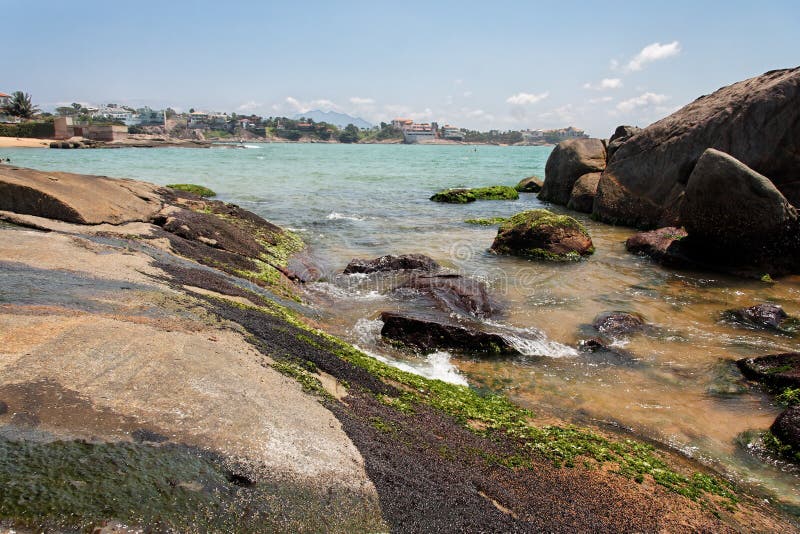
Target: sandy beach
[{"x": 21, "y": 142}]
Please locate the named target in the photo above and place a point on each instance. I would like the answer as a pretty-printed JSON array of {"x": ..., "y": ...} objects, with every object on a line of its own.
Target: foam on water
[
  {"x": 335, "y": 216},
  {"x": 531, "y": 342}
]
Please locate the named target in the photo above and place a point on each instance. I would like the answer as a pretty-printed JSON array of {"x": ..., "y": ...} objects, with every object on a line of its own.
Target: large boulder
[
  {"x": 620, "y": 135},
  {"x": 757, "y": 121},
  {"x": 428, "y": 335},
  {"x": 541, "y": 234},
  {"x": 390, "y": 262},
  {"x": 568, "y": 161},
  {"x": 583, "y": 192},
  {"x": 774, "y": 370},
  {"x": 77, "y": 198},
  {"x": 726, "y": 203}
]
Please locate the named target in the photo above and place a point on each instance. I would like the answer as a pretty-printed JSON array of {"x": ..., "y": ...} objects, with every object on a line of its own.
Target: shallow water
[{"x": 675, "y": 383}]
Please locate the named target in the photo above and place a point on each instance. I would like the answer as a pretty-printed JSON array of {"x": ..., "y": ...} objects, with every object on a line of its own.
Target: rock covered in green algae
[
  {"x": 541, "y": 234},
  {"x": 462, "y": 195},
  {"x": 531, "y": 184},
  {"x": 198, "y": 190}
]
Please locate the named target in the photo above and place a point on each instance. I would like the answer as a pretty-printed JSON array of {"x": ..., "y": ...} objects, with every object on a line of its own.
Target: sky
[{"x": 480, "y": 65}]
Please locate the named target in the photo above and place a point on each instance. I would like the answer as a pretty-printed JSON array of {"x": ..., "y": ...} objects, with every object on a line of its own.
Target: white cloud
[
  {"x": 601, "y": 99},
  {"x": 605, "y": 83},
  {"x": 251, "y": 106},
  {"x": 361, "y": 101},
  {"x": 520, "y": 99},
  {"x": 298, "y": 106},
  {"x": 643, "y": 100},
  {"x": 559, "y": 115},
  {"x": 467, "y": 94},
  {"x": 653, "y": 52}
]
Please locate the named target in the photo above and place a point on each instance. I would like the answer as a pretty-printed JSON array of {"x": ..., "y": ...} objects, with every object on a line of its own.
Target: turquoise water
[{"x": 679, "y": 385}]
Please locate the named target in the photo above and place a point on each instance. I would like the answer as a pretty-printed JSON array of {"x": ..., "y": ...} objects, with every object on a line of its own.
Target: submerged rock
[
  {"x": 455, "y": 293},
  {"x": 392, "y": 263},
  {"x": 531, "y": 184},
  {"x": 428, "y": 335},
  {"x": 568, "y": 161},
  {"x": 541, "y": 234},
  {"x": 728, "y": 205},
  {"x": 775, "y": 370},
  {"x": 757, "y": 121},
  {"x": 583, "y": 192},
  {"x": 766, "y": 316},
  {"x": 462, "y": 196},
  {"x": 661, "y": 245},
  {"x": 616, "y": 323}
]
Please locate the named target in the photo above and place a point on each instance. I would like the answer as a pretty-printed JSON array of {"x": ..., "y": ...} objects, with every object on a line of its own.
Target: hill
[{"x": 331, "y": 117}]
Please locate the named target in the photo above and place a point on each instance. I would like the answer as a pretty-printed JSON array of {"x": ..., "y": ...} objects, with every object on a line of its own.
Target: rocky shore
[{"x": 162, "y": 369}]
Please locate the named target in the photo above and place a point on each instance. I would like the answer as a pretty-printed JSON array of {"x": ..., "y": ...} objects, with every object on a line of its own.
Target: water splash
[{"x": 336, "y": 216}]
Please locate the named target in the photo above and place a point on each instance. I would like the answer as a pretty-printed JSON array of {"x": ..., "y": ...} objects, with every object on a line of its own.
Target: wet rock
[
  {"x": 392, "y": 263},
  {"x": 25, "y": 419},
  {"x": 454, "y": 196},
  {"x": 568, "y": 161},
  {"x": 787, "y": 429},
  {"x": 3, "y": 408},
  {"x": 455, "y": 292},
  {"x": 728, "y": 205},
  {"x": 603, "y": 352},
  {"x": 765, "y": 316},
  {"x": 428, "y": 335},
  {"x": 541, "y": 234},
  {"x": 662, "y": 245},
  {"x": 775, "y": 370},
  {"x": 620, "y": 135},
  {"x": 142, "y": 435},
  {"x": 583, "y": 192},
  {"x": 531, "y": 184},
  {"x": 644, "y": 182},
  {"x": 616, "y": 323}
]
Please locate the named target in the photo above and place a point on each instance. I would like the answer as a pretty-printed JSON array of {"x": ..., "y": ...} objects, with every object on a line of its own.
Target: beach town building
[
  {"x": 204, "y": 120},
  {"x": 4, "y": 100},
  {"x": 66, "y": 128},
  {"x": 452, "y": 133}
]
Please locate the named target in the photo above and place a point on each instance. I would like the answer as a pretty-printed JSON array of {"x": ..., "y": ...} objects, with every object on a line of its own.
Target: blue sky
[{"x": 490, "y": 64}]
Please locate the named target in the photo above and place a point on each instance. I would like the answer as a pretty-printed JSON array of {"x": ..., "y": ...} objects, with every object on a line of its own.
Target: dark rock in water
[
  {"x": 583, "y": 192},
  {"x": 142, "y": 435},
  {"x": 767, "y": 316},
  {"x": 787, "y": 429},
  {"x": 541, "y": 234},
  {"x": 603, "y": 353},
  {"x": 532, "y": 184},
  {"x": 775, "y": 370},
  {"x": 757, "y": 121},
  {"x": 661, "y": 245},
  {"x": 454, "y": 196},
  {"x": 392, "y": 263},
  {"x": 428, "y": 335},
  {"x": 454, "y": 292},
  {"x": 568, "y": 161},
  {"x": 620, "y": 135},
  {"x": 616, "y": 323},
  {"x": 727, "y": 204}
]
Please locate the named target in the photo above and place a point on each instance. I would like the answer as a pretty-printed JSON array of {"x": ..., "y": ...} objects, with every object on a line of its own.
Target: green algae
[
  {"x": 304, "y": 377},
  {"x": 454, "y": 196},
  {"x": 532, "y": 221},
  {"x": 491, "y": 414},
  {"x": 789, "y": 397},
  {"x": 198, "y": 190},
  {"x": 487, "y": 222},
  {"x": 463, "y": 196}
]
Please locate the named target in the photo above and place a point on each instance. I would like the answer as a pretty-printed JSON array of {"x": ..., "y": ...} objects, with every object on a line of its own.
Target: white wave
[
  {"x": 251, "y": 146},
  {"x": 532, "y": 342},
  {"x": 335, "y": 216},
  {"x": 437, "y": 366},
  {"x": 337, "y": 292},
  {"x": 368, "y": 332}
]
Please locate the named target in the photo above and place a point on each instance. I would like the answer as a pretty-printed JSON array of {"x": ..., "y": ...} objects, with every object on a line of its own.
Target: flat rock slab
[
  {"x": 77, "y": 198},
  {"x": 418, "y": 262}
]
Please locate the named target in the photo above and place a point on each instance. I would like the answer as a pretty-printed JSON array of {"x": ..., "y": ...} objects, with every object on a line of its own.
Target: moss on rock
[
  {"x": 462, "y": 196},
  {"x": 543, "y": 235},
  {"x": 491, "y": 221},
  {"x": 198, "y": 190},
  {"x": 454, "y": 196}
]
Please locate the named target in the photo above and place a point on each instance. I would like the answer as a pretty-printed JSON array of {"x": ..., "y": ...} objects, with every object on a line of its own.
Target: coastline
[{"x": 481, "y": 462}]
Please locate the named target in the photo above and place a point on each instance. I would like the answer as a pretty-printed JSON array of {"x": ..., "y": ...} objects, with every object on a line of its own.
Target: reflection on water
[{"x": 674, "y": 382}]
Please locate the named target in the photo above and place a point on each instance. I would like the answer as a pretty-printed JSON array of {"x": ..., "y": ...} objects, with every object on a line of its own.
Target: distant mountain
[{"x": 331, "y": 117}]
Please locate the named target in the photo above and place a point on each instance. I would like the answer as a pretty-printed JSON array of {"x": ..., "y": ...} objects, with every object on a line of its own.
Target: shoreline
[{"x": 418, "y": 439}]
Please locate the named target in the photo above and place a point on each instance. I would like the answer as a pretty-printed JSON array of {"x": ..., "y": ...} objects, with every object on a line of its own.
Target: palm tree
[{"x": 21, "y": 106}]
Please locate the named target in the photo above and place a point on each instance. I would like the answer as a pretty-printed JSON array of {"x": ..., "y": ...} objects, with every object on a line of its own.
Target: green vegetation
[
  {"x": 193, "y": 188},
  {"x": 495, "y": 192},
  {"x": 350, "y": 134},
  {"x": 21, "y": 106},
  {"x": 35, "y": 130},
  {"x": 462, "y": 196},
  {"x": 767, "y": 279},
  {"x": 774, "y": 444},
  {"x": 490, "y": 414},
  {"x": 533, "y": 220},
  {"x": 789, "y": 397},
  {"x": 217, "y": 134},
  {"x": 487, "y": 222},
  {"x": 74, "y": 486},
  {"x": 307, "y": 380}
]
